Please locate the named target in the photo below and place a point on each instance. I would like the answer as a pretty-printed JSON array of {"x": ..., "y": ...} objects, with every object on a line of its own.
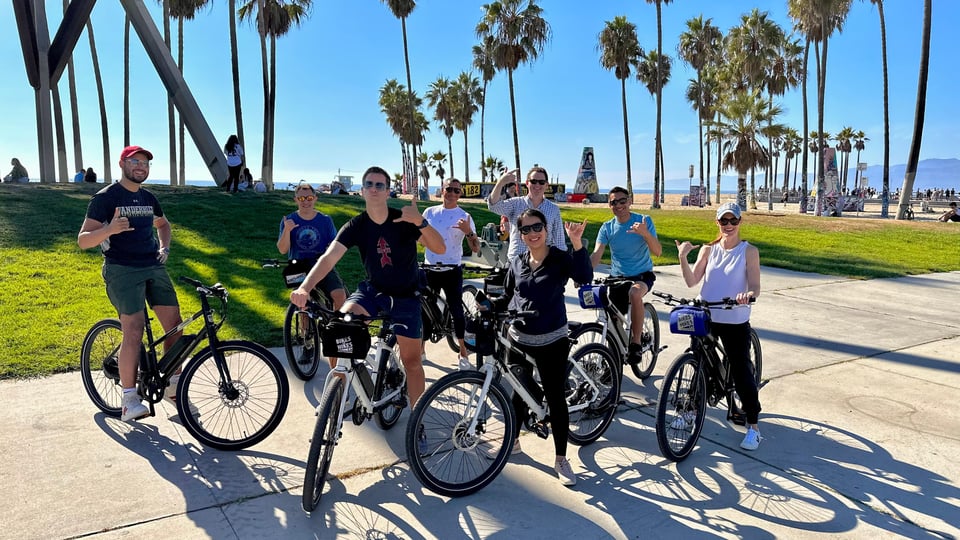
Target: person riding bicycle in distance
[
  {"x": 121, "y": 219},
  {"x": 730, "y": 268},
  {"x": 632, "y": 239},
  {"x": 304, "y": 236},
  {"x": 454, "y": 224},
  {"x": 387, "y": 240}
]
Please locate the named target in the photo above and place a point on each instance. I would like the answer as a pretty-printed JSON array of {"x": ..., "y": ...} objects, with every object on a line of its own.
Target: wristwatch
[{"x": 424, "y": 224}]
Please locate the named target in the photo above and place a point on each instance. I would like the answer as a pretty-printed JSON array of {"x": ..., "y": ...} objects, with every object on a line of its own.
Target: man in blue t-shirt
[
  {"x": 387, "y": 240},
  {"x": 121, "y": 219},
  {"x": 632, "y": 238}
]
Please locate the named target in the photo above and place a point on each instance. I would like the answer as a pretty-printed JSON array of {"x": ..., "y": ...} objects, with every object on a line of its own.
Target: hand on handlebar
[{"x": 299, "y": 297}]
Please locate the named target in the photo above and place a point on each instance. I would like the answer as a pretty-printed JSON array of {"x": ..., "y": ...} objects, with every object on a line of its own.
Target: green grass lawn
[{"x": 51, "y": 291}]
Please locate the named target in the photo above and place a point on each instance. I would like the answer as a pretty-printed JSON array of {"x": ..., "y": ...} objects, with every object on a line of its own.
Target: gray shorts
[{"x": 128, "y": 287}]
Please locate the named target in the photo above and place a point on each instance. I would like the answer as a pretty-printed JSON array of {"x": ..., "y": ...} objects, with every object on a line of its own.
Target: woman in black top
[{"x": 536, "y": 281}]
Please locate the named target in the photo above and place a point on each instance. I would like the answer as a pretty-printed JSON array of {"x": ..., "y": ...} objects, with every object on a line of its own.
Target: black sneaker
[{"x": 634, "y": 353}]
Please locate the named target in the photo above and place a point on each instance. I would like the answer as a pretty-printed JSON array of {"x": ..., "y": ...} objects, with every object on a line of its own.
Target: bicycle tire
[
  {"x": 592, "y": 332},
  {"x": 301, "y": 360},
  {"x": 469, "y": 302},
  {"x": 99, "y": 366},
  {"x": 455, "y": 464},
  {"x": 648, "y": 360},
  {"x": 682, "y": 398},
  {"x": 211, "y": 410},
  {"x": 391, "y": 371},
  {"x": 589, "y": 423},
  {"x": 756, "y": 359},
  {"x": 324, "y": 441}
]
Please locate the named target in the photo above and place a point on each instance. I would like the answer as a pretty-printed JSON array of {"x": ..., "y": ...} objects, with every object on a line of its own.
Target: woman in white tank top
[{"x": 730, "y": 268}]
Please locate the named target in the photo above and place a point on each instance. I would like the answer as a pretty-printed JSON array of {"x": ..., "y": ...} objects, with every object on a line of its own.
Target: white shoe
[
  {"x": 464, "y": 364},
  {"x": 132, "y": 408},
  {"x": 684, "y": 421},
  {"x": 171, "y": 391},
  {"x": 751, "y": 441},
  {"x": 565, "y": 472}
]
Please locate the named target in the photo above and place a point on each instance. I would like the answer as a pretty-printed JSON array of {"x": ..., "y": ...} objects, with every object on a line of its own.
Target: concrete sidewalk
[{"x": 859, "y": 422}]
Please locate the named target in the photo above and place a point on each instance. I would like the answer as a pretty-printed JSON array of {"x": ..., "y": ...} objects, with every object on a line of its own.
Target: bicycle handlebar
[
  {"x": 216, "y": 289},
  {"x": 672, "y": 300},
  {"x": 270, "y": 263}
]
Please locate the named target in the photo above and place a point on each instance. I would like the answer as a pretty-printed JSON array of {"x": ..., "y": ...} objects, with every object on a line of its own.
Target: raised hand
[
  {"x": 575, "y": 231},
  {"x": 639, "y": 228},
  {"x": 289, "y": 225},
  {"x": 410, "y": 214},
  {"x": 119, "y": 223},
  {"x": 464, "y": 226},
  {"x": 684, "y": 249}
]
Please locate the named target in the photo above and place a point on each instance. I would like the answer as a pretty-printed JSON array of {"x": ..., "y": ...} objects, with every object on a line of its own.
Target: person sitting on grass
[{"x": 951, "y": 214}]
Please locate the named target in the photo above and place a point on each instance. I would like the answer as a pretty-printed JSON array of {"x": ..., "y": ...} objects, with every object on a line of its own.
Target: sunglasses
[
  {"x": 379, "y": 186},
  {"x": 137, "y": 162},
  {"x": 452, "y": 190},
  {"x": 729, "y": 221},
  {"x": 527, "y": 229},
  {"x": 304, "y": 198},
  {"x": 537, "y": 181},
  {"x": 617, "y": 202}
]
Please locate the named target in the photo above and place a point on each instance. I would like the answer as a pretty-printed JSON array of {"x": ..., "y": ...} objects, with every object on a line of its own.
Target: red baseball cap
[{"x": 131, "y": 150}]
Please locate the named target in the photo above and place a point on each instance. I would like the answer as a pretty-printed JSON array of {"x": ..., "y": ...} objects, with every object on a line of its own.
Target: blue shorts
[{"x": 404, "y": 313}]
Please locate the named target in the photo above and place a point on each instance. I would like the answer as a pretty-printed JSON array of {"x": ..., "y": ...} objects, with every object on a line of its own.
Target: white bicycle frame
[{"x": 345, "y": 368}]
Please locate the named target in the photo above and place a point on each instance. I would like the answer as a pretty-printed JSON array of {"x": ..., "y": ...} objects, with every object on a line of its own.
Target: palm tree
[
  {"x": 467, "y": 95},
  {"x": 437, "y": 159},
  {"x": 791, "y": 141},
  {"x": 653, "y": 70},
  {"x": 483, "y": 61},
  {"x": 402, "y": 9},
  {"x": 662, "y": 81},
  {"x": 885, "y": 190},
  {"x": 492, "y": 165},
  {"x": 126, "y": 81},
  {"x": 235, "y": 69},
  {"x": 860, "y": 138},
  {"x": 438, "y": 98},
  {"x": 699, "y": 45},
  {"x": 844, "y": 146},
  {"x": 183, "y": 10},
  {"x": 74, "y": 109},
  {"x": 619, "y": 50},
  {"x": 914, "y": 157},
  {"x": 396, "y": 103},
  {"x": 59, "y": 134},
  {"x": 745, "y": 114},
  {"x": 274, "y": 18},
  {"x": 519, "y": 34},
  {"x": 171, "y": 130},
  {"x": 103, "y": 106}
]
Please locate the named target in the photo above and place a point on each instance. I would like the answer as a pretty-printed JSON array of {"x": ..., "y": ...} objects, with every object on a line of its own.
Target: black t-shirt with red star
[{"x": 388, "y": 252}]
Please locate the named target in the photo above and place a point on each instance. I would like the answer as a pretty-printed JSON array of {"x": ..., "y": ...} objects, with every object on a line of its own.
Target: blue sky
[{"x": 331, "y": 68}]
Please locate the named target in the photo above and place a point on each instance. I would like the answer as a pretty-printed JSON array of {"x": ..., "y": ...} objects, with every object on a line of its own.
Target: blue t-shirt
[
  {"x": 388, "y": 252},
  {"x": 131, "y": 248},
  {"x": 629, "y": 253},
  {"x": 310, "y": 238}
]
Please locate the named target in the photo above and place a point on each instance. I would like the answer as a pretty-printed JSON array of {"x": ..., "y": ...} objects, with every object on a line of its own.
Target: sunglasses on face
[
  {"x": 617, "y": 202},
  {"x": 537, "y": 181},
  {"x": 452, "y": 190},
  {"x": 137, "y": 162},
  {"x": 379, "y": 186},
  {"x": 729, "y": 221},
  {"x": 527, "y": 229},
  {"x": 304, "y": 198}
]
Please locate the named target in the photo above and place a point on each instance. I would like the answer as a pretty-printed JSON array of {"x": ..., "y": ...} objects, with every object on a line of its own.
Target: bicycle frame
[{"x": 347, "y": 368}]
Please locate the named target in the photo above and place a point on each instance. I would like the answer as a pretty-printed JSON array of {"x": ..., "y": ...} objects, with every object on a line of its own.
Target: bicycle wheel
[
  {"x": 587, "y": 333},
  {"x": 233, "y": 414},
  {"x": 99, "y": 368},
  {"x": 468, "y": 298},
  {"x": 681, "y": 407},
  {"x": 446, "y": 458},
  {"x": 301, "y": 339},
  {"x": 651, "y": 328},
  {"x": 756, "y": 360},
  {"x": 391, "y": 370},
  {"x": 325, "y": 436},
  {"x": 592, "y": 409}
]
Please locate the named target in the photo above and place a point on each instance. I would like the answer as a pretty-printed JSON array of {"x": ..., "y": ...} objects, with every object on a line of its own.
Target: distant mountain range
[{"x": 931, "y": 173}]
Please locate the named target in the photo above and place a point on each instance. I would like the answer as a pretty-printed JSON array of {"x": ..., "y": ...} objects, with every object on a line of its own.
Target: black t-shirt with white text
[
  {"x": 388, "y": 252},
  {"x": 131, "y": 248}
]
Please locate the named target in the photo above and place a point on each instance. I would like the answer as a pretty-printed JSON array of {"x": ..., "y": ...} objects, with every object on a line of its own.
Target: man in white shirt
[{"x": 537, "y": 180}]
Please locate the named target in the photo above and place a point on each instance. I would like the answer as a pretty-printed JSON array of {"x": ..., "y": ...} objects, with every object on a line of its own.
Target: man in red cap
[{"x": 121, "y": 219}]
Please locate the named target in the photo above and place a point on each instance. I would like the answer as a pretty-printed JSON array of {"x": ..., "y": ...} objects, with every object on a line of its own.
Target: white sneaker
[
  {"x": 171, "y": 391},
  {"x": 751, "y": 441},
  {"x": 464, "y": 364},
  {"x": 132, "y": 408},
  {"x": 684, "y": 421},
  {"x": 565, "y": 472}
]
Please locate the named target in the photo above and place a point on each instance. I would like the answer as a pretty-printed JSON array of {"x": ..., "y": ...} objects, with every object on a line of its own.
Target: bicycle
[
  {"x": 700, "y": 375},
  {"x": 382, "y": 395},
  {"x": 437, "y": 319},
  {"x": 231, "y": 394},
  {"x": 468, "y": 419},
  {"x": 299, "y": 330},
  {"x": 610, "y": 298}
]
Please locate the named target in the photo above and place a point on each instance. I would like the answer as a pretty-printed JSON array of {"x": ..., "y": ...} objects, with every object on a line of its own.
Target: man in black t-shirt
[
  {"x": 387, "y": 241},
  {"x": 120, "y": 219}
]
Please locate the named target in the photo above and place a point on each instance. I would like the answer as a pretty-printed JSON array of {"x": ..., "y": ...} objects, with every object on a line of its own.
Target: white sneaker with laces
[
  {"x": 132, "y": 408},
  {"x": 565, "y": 472},
  {"x": 464, "y": 364},
  {"x": 751, "y": 441}
]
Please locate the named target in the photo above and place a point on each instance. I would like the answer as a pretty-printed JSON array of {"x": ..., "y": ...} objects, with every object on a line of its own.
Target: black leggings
[
  {"x": 451, "y": 283},
  {"x": 736, "y": 343},
  {"x": 551, "y": 362},
  {"x": 233, "y": 180}
]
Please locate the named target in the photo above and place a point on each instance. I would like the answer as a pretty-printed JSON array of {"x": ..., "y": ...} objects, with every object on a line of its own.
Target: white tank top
[{"x": 725, "y": 277}]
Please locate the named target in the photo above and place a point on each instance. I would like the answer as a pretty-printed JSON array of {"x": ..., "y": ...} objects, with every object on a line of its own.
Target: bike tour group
[{"x": 523, "y": 328}]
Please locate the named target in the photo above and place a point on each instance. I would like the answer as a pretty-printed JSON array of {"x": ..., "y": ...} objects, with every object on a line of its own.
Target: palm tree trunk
[
  {"x": 626, "y": 132},
  {"x": 413, "y": 119},
  {"x": 513, "y": 116},
  {"x": 483, "y": 109},
  {"x": 103, "y": 106},
  {"x": 796, "y": 168},
  {"x": 172, "y": 134},
  {"x": 803, "y": 181},
  {"x": 265, "y": 71},
  {"x": 235, "y": 67},
  {"x": 60, "y": 136},
  {"x": 719, "y": 162},
  {"x": 126, "y": 81},
  {"x": 742, "y": 189},
  {"x": 182, "y": 173},
  {"x": 271, "y": 111},
  {"x": 786, "y": 172},
  {"x": 707, "y": 192},
  {"x": 885, "y": 190},
  {"x": 466, "y": 158},
  {"x": 700, "y": 128},
  {"x": 914, "y": 157},
  {"x": 753, "y": 190},
  {"x": 821, "y": 90},
  {"x": 74, "y": 109},
  {"x": 450, "y": 155},
  {"x": 657, "y": 194}
]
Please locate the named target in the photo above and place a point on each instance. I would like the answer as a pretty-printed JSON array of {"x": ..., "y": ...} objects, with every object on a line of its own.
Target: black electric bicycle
[
  {"x": 438, "y": 322},
  {"x": 231, "y": 394}
]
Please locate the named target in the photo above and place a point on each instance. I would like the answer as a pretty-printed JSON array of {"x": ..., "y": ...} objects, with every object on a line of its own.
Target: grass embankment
[{"x": 51, "y": 291}]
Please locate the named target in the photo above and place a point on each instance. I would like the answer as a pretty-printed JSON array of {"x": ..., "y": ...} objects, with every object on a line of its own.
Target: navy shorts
[{"x": 404, "y": 312}]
